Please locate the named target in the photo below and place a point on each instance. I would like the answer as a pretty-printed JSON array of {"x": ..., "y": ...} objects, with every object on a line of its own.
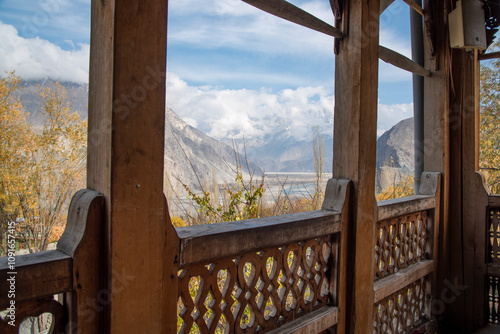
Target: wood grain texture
[
  {"x": 436, "y": 146},
  {"x": 289, "y": 12},
  {"x": 415, "y": 6},
  {"x": 84, "y": 240},
  {"x": 355, "y": 118},
  {"x": 400, "y": 206},
  {"x": 402, "y": 62},
  {"x": 384, "y": 4},
  {"x": 126, "y": 152},
  {"x": 208, "y": 242},
  {"x": 404, "y": 277},
  {"x": 37, "y": 275},
  {"x": 315, "y": 322}
]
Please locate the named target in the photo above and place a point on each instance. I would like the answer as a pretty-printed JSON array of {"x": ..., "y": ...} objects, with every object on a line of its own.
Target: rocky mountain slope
[
  {"x": 395, "y": 154},
  {"x": 188, "y": 150}
]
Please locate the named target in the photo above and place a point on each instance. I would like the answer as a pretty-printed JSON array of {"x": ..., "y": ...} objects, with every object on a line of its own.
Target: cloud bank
[
  {"x": 217, "y": 111},
  {"x": 36, "y": 58}
]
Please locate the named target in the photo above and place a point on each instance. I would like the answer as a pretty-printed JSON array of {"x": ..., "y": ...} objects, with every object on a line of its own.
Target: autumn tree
[
  {"x": 13, "y": 133},
  {"x": 42, "y": 166},
  {"x": 489, "y": 158}
]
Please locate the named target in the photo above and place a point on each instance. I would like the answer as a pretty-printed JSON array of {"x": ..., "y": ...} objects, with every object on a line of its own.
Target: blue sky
[{"x": 233, "y": 70}]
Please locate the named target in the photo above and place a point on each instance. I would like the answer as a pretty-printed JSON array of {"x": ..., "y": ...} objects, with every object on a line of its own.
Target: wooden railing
[
  {"x": 406, "y": 237},
  {"x": 279, "y": 273},
  {"x": 50, "y": 282},
  {"x": 493, "y": 259}
]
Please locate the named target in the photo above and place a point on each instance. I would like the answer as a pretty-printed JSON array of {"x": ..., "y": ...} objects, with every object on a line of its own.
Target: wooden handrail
[
  {"x": 37, "y": 275},
  {"x": 207, "y": 242},
  {"x": 400, "y": 206},
  {"x": 75, "y": 268}
]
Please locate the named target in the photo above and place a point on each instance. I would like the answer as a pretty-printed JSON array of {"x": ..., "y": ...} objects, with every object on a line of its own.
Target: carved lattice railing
[
  {"x": 405, "y": 244},
  {"x": 49, "y": 283},
  {"x": 259, "y": 275},
  {"x": 493, "y": 263}
]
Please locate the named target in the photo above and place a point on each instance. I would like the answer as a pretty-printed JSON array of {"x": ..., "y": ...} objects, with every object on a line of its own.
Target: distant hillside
[
  {"x": 274, "y": 153},
  {"x": 281, "y": 153},
  {"x": 77, "y": 96},
  {"x": 187, "y": 148},
  {"x": 207, "y": 155},
  {"x": 395, "y": 154}
]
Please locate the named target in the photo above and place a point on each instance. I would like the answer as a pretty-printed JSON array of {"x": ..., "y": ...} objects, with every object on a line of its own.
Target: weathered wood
[
  {"x": 84, "y": 240},
  {"x": 493, "y": 269},
  {"x": 494, "y": 200},
  {"x": 389, "y": 285},
  {"x": 479, "y": 215},
  {"x": 171, "y": 280},
  {"x": 36, "y": 275},
  {"x": 126, "y": 152},
  {"x": 355, "y": 119},
  {"x": 402, "y": 62},
  {"x": 337, "y": 194},
  {"x": 289, "y": 12},
  {"x": 415, "y": 6},
  {"x": 465, "y": 197},
  {"x": 491, "y": 55},
  {"x": 384, "y": 4},
  {"x": 401, "y": 206},
  {"x": 208, "y": 242},
  {"x": 314, "y": 322},
  {"x": 436, "y": 145}
]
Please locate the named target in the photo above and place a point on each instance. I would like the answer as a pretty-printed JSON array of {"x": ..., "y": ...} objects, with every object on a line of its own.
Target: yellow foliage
[
  {"x": 40, "y": 169},
  {"x": 489, "y": 158},
  {"x": 178, "y": 222},
  {"x": 402, "y": 189}
]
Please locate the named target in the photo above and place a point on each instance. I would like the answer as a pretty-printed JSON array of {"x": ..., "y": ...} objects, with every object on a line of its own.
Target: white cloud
[
  {"x": 224, "y": 113},
  {"x": 390, "y": 115},
  {"x": 234, "y": 24},
  {"x": 36, "y": 58}
]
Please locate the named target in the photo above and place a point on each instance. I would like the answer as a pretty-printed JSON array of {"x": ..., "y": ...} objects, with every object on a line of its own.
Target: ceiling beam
[
  {"x": 384, "y": 4},
  {"x": 398, "y": 60},
  {"x": 289, "y": 12}
]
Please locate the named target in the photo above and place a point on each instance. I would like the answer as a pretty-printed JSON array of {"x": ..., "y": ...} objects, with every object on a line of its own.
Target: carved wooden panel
[
  {"x": 494, "y": 235},
  {"x": 400, "y": 242},
  {"x": 257, "y": 291},
  {"x": 52, "y": 321},
  {"x": 402, "y": 311},
  {"x": 493, "y": 300}
]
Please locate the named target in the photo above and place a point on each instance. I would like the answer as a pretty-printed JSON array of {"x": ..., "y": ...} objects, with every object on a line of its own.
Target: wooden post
[
  {"x": 356, "y": 89},
  {"x": 125, "y": 158},
  {"x": 468, "y": 198},
  {"x": 435, "y": 148}
]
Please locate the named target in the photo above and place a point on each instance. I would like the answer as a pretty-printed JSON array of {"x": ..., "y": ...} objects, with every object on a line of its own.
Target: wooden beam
[
  {"x": 207, "y": 242},
  {"x": 401, "y": 206},
  {"x": 289, "y": 12},
  {"x": 492, "y": 55},
  {"x": 355, "y": 135},
  {"x": 36, "y": 275},
  {"x": 384, "y": 4},
  {"x": 315, "y": 322},
  {"x": 125, "y": 157},
  {"x": 398, "y": 60},
  {"x": 435, "y": 149},
  {"x": 415, "y": 6},
  {"x": 389, "y": 285}
]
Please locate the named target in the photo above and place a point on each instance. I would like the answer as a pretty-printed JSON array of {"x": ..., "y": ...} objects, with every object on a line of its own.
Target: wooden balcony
[
  {"x": 281, "y": 274},
  {"x": 356, "y": 266}
]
